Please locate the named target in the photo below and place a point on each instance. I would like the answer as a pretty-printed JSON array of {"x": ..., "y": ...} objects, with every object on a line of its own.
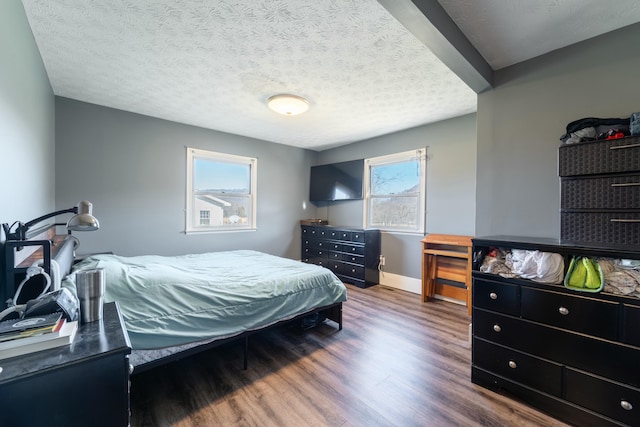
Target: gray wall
[
  {"x": 451, "y": 171},
  {"x": 521, "y": 120},
  {"x": 26, "y": 122},
  {"x": 132, "y": 168}
]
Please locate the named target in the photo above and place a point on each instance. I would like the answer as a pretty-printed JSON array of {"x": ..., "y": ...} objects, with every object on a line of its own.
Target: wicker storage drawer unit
[
  {"x": 600, "y": 192},
  {"x": 600, "y": 157}
]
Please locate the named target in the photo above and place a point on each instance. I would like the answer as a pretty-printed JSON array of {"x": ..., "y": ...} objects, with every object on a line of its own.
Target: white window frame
[
  {"x": 190, "y": 210},
  {"x": 421, "y": 155}
]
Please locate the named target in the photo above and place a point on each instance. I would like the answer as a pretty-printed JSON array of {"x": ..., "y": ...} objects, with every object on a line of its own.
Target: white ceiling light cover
[{"x": 288, "y": 105}]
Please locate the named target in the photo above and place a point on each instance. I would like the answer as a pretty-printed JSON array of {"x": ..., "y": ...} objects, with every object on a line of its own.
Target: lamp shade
[
  {"x": 288, "y": 105},
  {"x": 83, "y": 220}
]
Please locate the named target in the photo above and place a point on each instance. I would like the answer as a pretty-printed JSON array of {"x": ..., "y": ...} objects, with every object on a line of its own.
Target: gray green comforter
[{"x": 169, "y": 301}]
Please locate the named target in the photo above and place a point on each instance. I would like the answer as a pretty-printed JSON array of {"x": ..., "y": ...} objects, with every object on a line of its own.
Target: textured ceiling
[{"x": 214, "y": 63}]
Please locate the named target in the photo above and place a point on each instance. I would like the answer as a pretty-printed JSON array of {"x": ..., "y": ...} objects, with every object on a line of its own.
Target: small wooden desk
[{"x": 446, "y": 267}]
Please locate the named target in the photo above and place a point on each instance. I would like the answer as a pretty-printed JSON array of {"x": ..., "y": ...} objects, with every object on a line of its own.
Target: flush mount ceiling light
[{"x": 288, "y": 105}]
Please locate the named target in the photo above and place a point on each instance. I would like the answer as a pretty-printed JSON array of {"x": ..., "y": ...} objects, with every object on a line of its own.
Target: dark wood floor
[{"x": 397, "y": 362}]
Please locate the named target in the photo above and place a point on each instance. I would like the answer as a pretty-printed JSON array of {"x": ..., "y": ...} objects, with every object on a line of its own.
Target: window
[
  {"x": 205, "y": 217},
  {"x": 221, "y": 191},
  {"x": 395, "y": 187}
]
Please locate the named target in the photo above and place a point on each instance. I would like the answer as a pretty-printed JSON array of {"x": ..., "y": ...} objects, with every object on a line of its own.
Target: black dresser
[
  {"x": 600, "y": 192},
  {"x": 352, "y": 254},
  {"x": 575, "y": 355},
  {"x": 82, "y": 384}
]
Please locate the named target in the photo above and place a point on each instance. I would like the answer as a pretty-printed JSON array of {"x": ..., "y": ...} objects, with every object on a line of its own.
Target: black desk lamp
[{"x": 83, "y": 220}]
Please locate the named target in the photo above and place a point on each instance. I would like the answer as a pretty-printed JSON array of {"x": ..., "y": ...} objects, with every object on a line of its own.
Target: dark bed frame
[
  {"x": 332, "y": 312},
  {"x": 51, "y": 247}
]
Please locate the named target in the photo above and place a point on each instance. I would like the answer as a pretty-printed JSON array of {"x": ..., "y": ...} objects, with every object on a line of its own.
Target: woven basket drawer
[
  {"x": 599, "y": 157},
  {"x": 601, "y": 192},
  {"x": 607, "y": 228}
]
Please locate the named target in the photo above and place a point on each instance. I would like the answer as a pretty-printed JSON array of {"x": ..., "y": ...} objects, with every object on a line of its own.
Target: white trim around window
[
  {"x": 395, "y": 192},
  {"x": 222, "y": 189}
]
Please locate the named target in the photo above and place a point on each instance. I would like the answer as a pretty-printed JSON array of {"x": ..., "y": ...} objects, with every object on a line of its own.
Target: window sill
[{"x": 237, "y": 230}]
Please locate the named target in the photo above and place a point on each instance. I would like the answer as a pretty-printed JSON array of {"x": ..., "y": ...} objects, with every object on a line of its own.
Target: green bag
[{"x": 584, "y": 275}]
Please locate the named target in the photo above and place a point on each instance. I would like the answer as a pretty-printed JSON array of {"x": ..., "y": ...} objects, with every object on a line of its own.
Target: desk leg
[{"x": 429, "y": 277}]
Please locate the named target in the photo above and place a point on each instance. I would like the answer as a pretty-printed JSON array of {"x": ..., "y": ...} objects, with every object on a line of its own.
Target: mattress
[{"x": 172, "y": 301}]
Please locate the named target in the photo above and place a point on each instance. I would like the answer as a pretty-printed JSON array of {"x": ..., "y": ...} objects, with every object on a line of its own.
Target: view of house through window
[
  {"x": 395, "y": 188},
  {"x": 221, "y": 191}
]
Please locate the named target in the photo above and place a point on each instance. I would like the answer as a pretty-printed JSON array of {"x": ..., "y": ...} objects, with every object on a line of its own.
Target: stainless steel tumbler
[{"x": 90, "y": 289}]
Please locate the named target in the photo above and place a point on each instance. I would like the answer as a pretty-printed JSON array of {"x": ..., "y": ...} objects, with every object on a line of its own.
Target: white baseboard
[
  {"x": 410, "y": 284},
  {"x": 404, "y": 283}
]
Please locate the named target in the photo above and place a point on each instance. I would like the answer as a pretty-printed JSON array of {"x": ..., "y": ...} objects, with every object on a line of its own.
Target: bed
[{"x": 176, "y": 306}]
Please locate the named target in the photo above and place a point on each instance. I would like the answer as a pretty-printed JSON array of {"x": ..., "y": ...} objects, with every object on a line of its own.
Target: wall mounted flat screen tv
[{"x": 337, "y": 181}]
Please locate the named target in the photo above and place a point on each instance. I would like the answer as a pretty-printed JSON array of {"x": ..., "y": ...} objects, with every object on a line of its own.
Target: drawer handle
[
  {"x": 563, "y": 310},
  {"x": 353, "y": 270},
  {"x": 620, "y": 147},
  {"x": 624, "y": 220},
  {"x": 493, "y": 295},
  {"x": 497, "y": 328},
  {"x": 626, "y": 184},
  {"x": 512, "y": 364},
  {"x": 627, "y": 406}
]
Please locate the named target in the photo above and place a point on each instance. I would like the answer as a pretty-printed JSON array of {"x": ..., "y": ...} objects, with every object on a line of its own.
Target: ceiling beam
[{"x": 430, "y": 24}]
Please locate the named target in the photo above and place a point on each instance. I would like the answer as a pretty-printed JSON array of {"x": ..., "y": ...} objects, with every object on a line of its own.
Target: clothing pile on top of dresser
[
  {"x": 543, "y": 267},
  {"x": 621, "y": 276},
  {"x": 593, "y": 128}
]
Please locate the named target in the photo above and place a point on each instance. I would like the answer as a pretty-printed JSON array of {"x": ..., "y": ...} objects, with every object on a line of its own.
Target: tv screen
[{"x": 337, "y": 181}]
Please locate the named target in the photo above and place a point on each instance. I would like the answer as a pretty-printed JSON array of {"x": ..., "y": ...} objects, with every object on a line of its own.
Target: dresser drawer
[
  {"x": 601, "y": 192},
  {"x": 346, "y": 269},
  {"x": 311, "y": 252},
  {"x": 609, "y": 228},
  {"x": 580, "y": 314},
  {"x": 609, "y": 398},
  {"x": 320, "y": 244},
  {"x": 334, "y": 246},
  {"x": 616, "y": 361},
  {"x": 336, "y": 256},
  {"x": 496, "y": 296},
  {"x": 323, "y": 262},
  {"x": 499, "y": 329},
  {"x": 334, "y": 234},
  {"x": 343, "y": 235},
  {"x": 599, "y": 157},
  {"x": 517, "y": 366},
  {"x": 353, "y": 249},
  {"x": 357, "y": 236},
  {"x": 353, "y": 259},
  {"x": 631, "y": 325},
  {"x": 310, "y": 232}
]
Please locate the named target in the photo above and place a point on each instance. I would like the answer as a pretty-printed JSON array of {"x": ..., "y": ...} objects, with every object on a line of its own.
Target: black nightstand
[{"x": 83, "y": 384}]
